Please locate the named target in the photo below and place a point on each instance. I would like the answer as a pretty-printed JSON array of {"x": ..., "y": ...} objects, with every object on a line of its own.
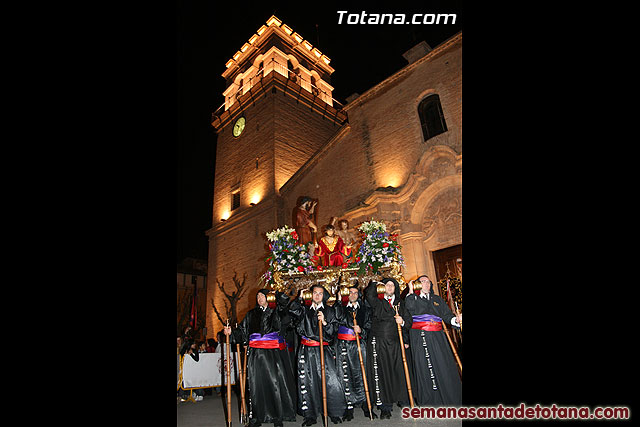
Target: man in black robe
[
  {"x": 385, "y": 370},
  {"x": 292, "y": 340},
  {"x": 347, "y": 359},
  {"x": 309, "y": 366},
  {"x": 270, "y": 381},
  {"x": 437, "y": 382}
]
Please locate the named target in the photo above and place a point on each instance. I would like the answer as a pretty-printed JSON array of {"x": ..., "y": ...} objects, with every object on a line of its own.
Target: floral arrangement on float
[
  {"x": 379, "y": 248},
  {"x": 287, "y": 255}
]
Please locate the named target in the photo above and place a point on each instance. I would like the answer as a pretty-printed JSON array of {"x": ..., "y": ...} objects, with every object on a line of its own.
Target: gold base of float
[{"x": 331, "y": 278}]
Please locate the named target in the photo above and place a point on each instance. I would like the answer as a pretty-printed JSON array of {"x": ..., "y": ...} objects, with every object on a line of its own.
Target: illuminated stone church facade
[{"x": 393, "y": 153}]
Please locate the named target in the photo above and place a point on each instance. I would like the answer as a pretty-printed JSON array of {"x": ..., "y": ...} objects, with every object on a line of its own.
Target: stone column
[{"x": 413, "y": 251}]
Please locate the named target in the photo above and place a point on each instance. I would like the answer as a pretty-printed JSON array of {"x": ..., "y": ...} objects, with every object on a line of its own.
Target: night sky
[{"x": 209, "y": 34}]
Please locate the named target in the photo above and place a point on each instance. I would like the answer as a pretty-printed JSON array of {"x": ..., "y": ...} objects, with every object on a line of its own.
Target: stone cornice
[{"x": 261, "y": 89}]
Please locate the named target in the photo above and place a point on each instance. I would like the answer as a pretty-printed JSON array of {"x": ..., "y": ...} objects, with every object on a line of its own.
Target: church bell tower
[{"x": 278, "y": 111}]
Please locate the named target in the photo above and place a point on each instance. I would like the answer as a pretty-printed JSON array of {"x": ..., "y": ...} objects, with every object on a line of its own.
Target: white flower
[
  {"x": 279, "y": 233},
  {"x": 370, "y": 226}
]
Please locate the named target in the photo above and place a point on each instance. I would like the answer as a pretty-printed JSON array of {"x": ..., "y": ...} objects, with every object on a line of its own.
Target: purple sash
[
  {"x": 346, "y": 334},
  {"x": 426, "y": 318},
  {"x": 345, "y": 330},
  {"x": 427, "y": 322}
]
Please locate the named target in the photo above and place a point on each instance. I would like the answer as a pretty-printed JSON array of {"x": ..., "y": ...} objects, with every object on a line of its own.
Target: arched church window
[{"x": 431, "y": 117}]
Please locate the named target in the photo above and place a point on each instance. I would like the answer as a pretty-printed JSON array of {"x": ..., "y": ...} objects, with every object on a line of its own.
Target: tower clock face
[{"x": 238, "y": 127}]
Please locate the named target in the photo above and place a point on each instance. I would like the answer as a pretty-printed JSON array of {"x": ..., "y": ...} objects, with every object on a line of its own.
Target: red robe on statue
[{"x": 331, "y": 254}]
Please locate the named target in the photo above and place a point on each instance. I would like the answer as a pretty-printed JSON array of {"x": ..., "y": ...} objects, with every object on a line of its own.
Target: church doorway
[{"x": 448, "y": 259}]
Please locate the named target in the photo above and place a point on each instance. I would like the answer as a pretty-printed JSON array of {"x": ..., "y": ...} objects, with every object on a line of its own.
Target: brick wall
[{"x": 299, "y": 133}]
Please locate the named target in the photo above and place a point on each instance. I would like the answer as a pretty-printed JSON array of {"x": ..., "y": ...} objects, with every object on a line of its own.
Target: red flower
[
  {"x": 358, "y": 259},
  {"x": 285, "y": 250},
  {"x": 319, "y": 268},
  {"x": 345, "y": 265},
  {"x": 300, "y": 268},
  {"x": 385, "y": 245},
  {"x": 294, "y": 235}
]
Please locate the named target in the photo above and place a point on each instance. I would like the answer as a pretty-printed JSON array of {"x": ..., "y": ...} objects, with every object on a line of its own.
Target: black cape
[
  {"x": 347, "y": 359},
  {"x": 385, "y": 370},
  {"x": 437, "y": 382},
  {"x": 270, "y": 387},
  {"x": 309, "y": 365}
]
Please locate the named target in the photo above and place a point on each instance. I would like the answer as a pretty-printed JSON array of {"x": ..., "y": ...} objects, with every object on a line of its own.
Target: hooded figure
[
  {"x": 437, "y": 380},
  {"x": 385, "y": 371},
  {"x": 310, "y": 404},
  {"x": 270, "y": 382},
  {"x": 347, "y": 358}
]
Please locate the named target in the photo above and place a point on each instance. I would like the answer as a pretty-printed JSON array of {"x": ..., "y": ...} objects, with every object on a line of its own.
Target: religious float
[{"x": 292, "y": 266}]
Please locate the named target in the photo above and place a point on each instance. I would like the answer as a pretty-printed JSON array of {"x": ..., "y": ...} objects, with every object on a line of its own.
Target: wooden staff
[
  {"x": 453, "y": 347},
  {"x": 324, "y": 382},
  {"x": 243, "y": 385},
  {"x": 241, "y": 369},
  {"x": 404, "y": 361},
  {"x": 364, "y": 374},
  {"x": 228, "y": 378}
]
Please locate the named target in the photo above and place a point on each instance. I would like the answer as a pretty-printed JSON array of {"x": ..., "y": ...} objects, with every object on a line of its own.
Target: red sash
[
  {"x": 312, "y": 343},
  {"x": 267, "y": 344},
  {"x": 271, "y": 341},
  {"x": 427, "y": 326}
]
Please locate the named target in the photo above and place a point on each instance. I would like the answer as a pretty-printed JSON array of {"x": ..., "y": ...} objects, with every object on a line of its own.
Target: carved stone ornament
[{"x": 443, "y": 212}]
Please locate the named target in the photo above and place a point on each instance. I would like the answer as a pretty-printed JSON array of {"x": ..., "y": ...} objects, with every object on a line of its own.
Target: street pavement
[{"x": 211, "y": 412}]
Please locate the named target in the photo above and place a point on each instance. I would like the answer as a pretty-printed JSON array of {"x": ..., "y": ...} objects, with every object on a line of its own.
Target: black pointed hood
[{"x": 396, "y": 284}]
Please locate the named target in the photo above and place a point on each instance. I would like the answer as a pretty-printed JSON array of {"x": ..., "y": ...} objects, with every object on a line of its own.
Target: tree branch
[
  {"x": 217, "y": 312},
  {"x": 221, "y": 286}
]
